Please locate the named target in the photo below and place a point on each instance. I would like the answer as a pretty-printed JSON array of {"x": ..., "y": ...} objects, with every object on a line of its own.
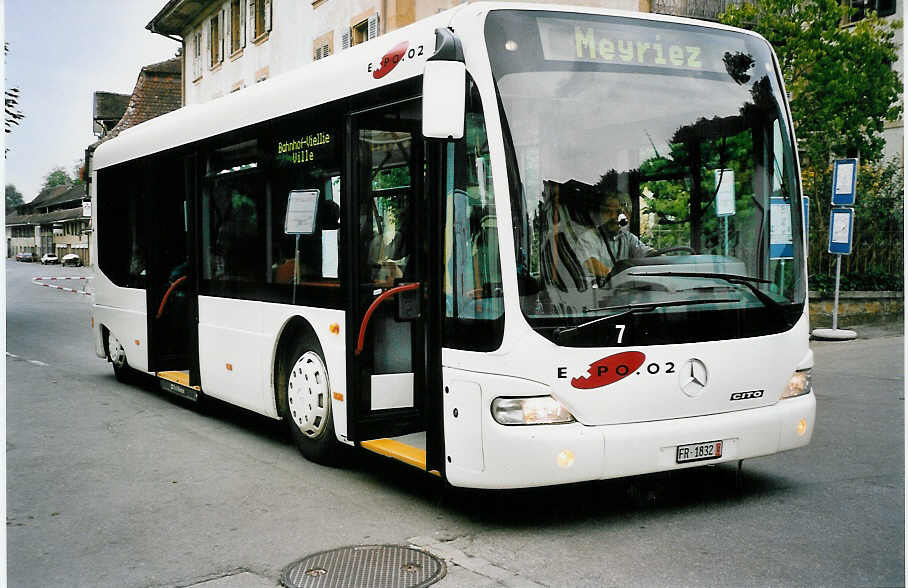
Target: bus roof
[{"x": 345, "y": 74}]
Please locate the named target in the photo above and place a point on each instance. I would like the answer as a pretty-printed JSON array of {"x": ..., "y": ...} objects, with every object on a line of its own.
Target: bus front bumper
[{"x": 543, "y": 455}]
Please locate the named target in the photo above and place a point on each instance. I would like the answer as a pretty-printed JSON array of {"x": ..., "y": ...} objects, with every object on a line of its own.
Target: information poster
[
  {"x": 301, "y": 209},
  {"x": 844, "y": 180},
  {"x": 780, "y": 246},
  {"x": 841, "y": 227},
  {"x": 725, "y": 192}
]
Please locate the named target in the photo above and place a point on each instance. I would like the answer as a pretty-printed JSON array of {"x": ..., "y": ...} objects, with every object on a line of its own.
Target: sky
[{"x": 60, "y": 53}]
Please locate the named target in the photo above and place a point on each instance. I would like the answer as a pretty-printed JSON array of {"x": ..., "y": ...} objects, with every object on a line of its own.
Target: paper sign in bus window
[
  {"x": 725, "y": 192},
  {"x": 301, "y": 209}
]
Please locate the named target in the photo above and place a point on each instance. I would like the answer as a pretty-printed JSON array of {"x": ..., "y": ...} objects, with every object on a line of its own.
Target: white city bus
[{"x": 400, "y": 248}]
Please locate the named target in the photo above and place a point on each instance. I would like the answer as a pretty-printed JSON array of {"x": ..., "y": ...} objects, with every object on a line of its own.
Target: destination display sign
[
  {"x": 611, "y": 42},
  {"x": 305, "y": 148}
]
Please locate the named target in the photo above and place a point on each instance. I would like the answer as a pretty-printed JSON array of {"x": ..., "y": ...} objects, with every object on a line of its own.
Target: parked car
[
  {"x": 71, "y": 259},
  {"x": 26, "y": 256},
  {"x": 49, "y": 258}
]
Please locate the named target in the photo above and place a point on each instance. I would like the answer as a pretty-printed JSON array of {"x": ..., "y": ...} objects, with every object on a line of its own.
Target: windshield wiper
[
  {"x": 747, "y": 281},
  {"x": 627, "y": 309}
]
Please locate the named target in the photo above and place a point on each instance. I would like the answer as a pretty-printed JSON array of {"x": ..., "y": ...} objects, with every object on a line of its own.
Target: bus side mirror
[{"x": 444, "y": 80}]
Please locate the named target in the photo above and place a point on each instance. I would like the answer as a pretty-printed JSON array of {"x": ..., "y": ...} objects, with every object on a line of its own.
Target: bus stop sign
[
  {"x": 844, "y": 179},
  {"x": 841, "y": 225}
]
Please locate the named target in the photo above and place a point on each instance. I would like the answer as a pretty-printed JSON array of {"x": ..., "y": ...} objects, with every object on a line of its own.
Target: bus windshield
[{"x": 653, "y": 179}]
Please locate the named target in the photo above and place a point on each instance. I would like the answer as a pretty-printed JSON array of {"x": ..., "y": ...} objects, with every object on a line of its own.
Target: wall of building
[
  {"x": 287, "y": 46},
  {"x": 299, "y": 28}
]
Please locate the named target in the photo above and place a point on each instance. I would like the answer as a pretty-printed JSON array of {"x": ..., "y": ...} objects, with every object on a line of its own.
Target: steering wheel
[{"x": 658, "y": 252}]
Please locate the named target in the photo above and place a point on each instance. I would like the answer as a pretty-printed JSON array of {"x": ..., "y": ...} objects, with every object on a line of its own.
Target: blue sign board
[
  {"x": 806, "y": 215},
  {"x": 841, "y": 230},
  {"x": 780, "y": 240},
  {"x": 844, "y": 180}
]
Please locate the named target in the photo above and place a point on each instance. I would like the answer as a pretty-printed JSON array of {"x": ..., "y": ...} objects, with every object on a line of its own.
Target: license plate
[{"x": 698, "y": 451}]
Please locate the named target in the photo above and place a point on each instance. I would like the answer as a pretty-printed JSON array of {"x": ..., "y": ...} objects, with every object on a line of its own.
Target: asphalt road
[{"x": 124, "y": 486}]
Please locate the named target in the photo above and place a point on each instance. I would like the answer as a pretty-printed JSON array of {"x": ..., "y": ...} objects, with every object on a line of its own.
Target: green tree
[
  {"x": 843, "y": 90},
  {"x": 11, "y": 104},
  {"x": 13, "y": 198},
  {"x": 841, "y": 82},
  {"x": 56, "y": 177}
]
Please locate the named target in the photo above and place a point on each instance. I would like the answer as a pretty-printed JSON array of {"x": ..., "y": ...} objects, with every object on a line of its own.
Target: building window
[
  {"x": 361, "y": 31},
  {"x": 216, "y": 39},
  {"x": 196, "y": 56},
  {"x": 237, "y": 26},
  {"x": 260, "y": 15},
  {"x": 862, "y": 7},
  {"x": 323, "y": 46}
]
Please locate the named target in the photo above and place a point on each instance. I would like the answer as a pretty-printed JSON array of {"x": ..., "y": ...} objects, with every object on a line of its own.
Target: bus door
[
  {"x": 170, "y": 286},
  {"x": 394, "y": 364}
]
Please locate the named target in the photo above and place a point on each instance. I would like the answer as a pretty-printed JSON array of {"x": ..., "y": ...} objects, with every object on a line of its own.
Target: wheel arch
[{"x": 295, "y": 329}]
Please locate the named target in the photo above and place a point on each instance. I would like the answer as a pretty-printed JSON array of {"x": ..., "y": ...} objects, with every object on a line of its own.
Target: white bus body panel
[
  {"x": 122, "y": 312},
  {"x": 606, "y": 442},
  {"x": 238, "y": 345}
]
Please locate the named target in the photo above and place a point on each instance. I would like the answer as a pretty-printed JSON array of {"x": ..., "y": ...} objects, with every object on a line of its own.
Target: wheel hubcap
[
  {"x": 117, "y": 353},
  {"x": 307, "y": 395}
]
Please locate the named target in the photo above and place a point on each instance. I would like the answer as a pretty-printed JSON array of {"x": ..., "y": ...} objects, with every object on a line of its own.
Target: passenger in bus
[
  {"x": 606, "y": 243},
  {"x": 388, "y": 252}
]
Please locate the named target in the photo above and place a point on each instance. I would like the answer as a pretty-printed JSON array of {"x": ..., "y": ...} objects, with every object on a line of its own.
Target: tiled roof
[
  {"x": 110, "y": 106},
  {"x": 158, "y": 91},
  {"x": 45, "y": 218},
  {"x": 59, "y": 194}
]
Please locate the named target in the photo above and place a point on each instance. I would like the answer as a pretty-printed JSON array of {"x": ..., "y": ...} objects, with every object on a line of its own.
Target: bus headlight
[
  {"x": 799, "y": 384},
  {"x": 536, "y": 410}
]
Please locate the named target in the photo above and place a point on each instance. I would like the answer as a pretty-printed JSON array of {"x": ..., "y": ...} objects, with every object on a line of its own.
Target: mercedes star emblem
[{"x": 693, "y": 377}]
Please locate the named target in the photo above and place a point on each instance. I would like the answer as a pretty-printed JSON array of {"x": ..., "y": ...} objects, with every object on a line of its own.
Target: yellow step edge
[
  {"x": 181, "y": 378},
  {"x": 408, "y": 454}
]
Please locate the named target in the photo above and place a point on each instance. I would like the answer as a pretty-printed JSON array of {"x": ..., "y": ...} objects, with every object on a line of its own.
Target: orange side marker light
[
  {"x": 229, "y": 367},
  {"x": 338, "y": 396},
  {"x": 335, "y": 329}
]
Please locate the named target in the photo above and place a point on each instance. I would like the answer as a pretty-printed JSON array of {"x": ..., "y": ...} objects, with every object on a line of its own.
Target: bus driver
[{"x": 603, "y": 245}]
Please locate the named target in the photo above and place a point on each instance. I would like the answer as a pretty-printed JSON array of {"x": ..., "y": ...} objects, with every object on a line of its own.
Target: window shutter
[
  {"x": 345, "y": 39},
  {"x": 196, "y": 56},
  {"x": 228, "y": 31},
  {"x": 268, "y": 19},
  {"x": 252, "y": 19},
  {"x": 373, "y": 26},
  {"x": 222, "y": 27},
  {"x": 242, "y": 25}
]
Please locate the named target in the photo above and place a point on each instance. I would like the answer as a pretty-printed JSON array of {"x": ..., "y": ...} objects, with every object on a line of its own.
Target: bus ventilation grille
[{"x": 376, "y": 566}]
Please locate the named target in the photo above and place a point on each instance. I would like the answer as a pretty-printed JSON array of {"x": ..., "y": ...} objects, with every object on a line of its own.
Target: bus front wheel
[
  {"x": 307, "y": 407},
  {"x": 117, "y": 355}
]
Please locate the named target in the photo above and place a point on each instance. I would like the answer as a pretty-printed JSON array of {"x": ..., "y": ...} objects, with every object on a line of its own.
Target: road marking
[{"x": 31, "y": 361}]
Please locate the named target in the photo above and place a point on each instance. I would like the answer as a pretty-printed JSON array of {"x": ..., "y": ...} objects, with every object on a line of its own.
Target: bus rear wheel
[{"x": 307, "y": 407}]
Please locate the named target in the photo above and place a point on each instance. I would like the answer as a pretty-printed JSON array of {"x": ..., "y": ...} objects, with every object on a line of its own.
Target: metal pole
[
  {"x": 725, "y": 222},
  {"x": 296, "y": 269},
  {"x": 835, "y": 304}
]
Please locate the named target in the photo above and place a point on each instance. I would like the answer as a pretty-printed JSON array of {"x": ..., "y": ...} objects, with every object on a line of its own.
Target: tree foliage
[
  {"x": 843, "y": 90},
  {"x": 13, "y": 198},
  {"x": 841, "y": 82},
  {"x": 11, "y": 104},
  {"x": 56, "y": 177}
]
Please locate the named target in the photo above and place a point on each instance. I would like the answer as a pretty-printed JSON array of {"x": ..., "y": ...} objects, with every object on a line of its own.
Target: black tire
[
  {"x": 117, "y": 357},
  {"x": 305, "y": 404}
]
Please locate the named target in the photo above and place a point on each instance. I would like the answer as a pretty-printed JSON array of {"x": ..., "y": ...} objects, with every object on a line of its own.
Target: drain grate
[{"x": 372, "y": 566}]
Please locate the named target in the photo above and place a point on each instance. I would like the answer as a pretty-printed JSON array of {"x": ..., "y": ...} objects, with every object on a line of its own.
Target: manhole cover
[{"x": 365, "y": 566}]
